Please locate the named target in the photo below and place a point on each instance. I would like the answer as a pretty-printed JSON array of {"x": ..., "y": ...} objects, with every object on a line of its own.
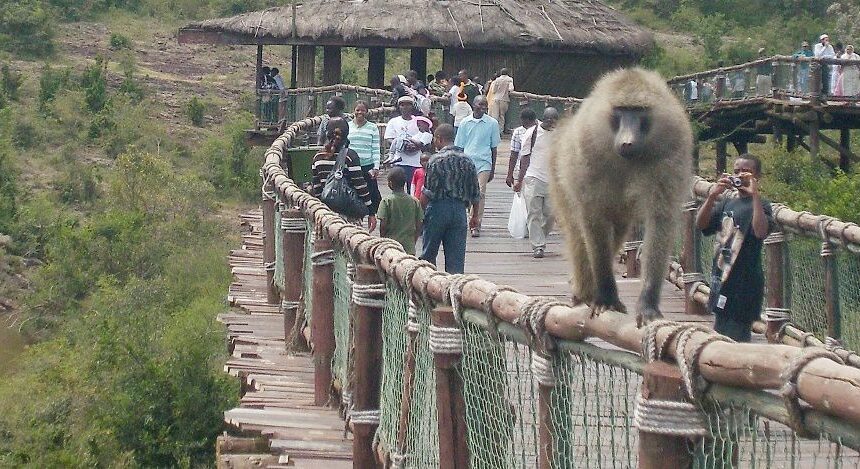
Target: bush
[
  {"x": 25, "y": 133},
  {"x": 51, "y": 81},
  {"x": 195, "y": 110},
  {"x": 26, "y": 28},
  {"x": 94, "y": 84},
  {"x": 11, "y": 81},
  {"x": 119, "y": 41},
  {"x": 79, "y": 183},
  {"x": 227, "y": 160},
  {"x": 8, "y": 188}
]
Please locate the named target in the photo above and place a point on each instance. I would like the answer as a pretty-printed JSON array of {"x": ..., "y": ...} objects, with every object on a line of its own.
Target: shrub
[
  {"x": 94, "y": 85},
  {"x": 11, "y": 81},
  {"x": 79, "y": 183},
  {"x": 8, "y": 188},
  {"x": 195, "y": 110},
  {"x": 51, "y": 81},
  {"x": 119, "y": 41},
  {"x": 25, "y": 133},
  {"x": 26, "y": 28}
]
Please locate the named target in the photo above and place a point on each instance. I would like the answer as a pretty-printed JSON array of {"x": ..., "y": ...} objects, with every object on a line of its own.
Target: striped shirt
[
  {"x": 324, "y": 163},
  {"x": 365, "y": 141},
  {"x": 451, "y": 175}
]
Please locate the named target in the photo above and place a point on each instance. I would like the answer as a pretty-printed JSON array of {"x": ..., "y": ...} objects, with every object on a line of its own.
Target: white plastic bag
[{"x": 518, "y": 221}]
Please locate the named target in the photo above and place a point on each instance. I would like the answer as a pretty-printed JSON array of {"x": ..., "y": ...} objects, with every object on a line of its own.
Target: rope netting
[
  {"x": 342, "y": 323},
  {"x": 807, "y": 286},
  {"x": 279, "y": 252},
  {"x": 740, "y": 438},
  {"x": 308, "y": 277},
  {"x": 422, "y": 433},
  {"x": 394, "y": 348},
  {"x": 849, "y": 298}
]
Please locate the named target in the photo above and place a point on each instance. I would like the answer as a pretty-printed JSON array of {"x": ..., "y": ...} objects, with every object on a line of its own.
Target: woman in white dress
[{"x": 850, "y": 73}]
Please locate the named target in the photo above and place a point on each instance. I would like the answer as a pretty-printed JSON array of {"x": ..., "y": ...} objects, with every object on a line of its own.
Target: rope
[
  {"x": 364, "y": 417},
  {"x": 789, "y": 391},
  {"x": 487, "y": 307},
  {"x": 533, "y": 319},
  {"x": 774, "y": 238},
  {"x": 285, "y": 305},
  {"x": 664, "y": 417},
  {"x": 448, "y": 340},
  {"x": 835, "y": 346},
  {"x": 689, "y": 366},
  {"x": 542, "y": 369},
  {"x": 690, "y": 205},
  {"x": 410, "y": 274},
  {"x": 412, "y": 318},
  {"x": 269, "y": 266},
  {"x": 371, "y": 295},
  {"x": 776, "y": 314},
  {"x": 322, "y": 258},
  {"x": 692, "y": 277},
  {"x": 632, "y": 245},
  {"x": 398, "y": 460},
  {"x": 827, "y": 247},
  {"x": 294, "y": 225},
  {"x": 455, "y": 292}
]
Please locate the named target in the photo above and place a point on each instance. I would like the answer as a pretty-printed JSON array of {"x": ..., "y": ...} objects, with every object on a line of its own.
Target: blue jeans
[
  {"x": 409, "y": 170},
  {"x": 445, "y": 222}
]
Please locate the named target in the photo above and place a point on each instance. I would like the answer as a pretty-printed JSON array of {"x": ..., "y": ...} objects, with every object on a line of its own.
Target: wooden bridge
[{"x": 514, "y": 379}]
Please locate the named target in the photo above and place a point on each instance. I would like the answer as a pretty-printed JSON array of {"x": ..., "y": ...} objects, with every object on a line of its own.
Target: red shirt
[{"x": 417, "y": 182}]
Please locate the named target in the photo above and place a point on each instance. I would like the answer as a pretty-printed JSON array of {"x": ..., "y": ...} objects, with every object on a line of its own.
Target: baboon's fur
[{"x": 598, "y": 195}]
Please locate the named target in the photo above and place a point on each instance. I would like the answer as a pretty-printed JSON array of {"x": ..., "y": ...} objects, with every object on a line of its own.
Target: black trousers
[{"x": 373, "y": 187}]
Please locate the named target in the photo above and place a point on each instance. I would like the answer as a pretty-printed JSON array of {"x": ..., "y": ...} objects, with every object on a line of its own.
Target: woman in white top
[{"x": 850, "y": 73}]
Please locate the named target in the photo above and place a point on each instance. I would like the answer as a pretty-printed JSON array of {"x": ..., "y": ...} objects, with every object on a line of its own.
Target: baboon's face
[{"x": 630, "y": 125}]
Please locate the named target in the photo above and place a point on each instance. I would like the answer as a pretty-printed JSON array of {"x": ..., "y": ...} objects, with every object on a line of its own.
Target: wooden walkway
[{"x": 277, "y": 386}]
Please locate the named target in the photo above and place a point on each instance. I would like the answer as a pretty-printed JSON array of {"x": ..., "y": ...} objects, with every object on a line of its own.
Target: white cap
[
  {"x": 823, "y": 36},
  {"x": 406, "y": 99}
]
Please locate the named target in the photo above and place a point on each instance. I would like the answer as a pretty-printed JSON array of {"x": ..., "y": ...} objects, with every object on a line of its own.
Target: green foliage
[
  {"x": 119, "y": 41},
  {"x": 78, "y": 183},
  {"x": 195, "y": 110},
  {"x": 94, "y": 85},
  {"x": 26, "y": 28},
  {"x": 11, "y": 82},
  {"x": 51, "y": 82},
  {"x": 227, "y": 161},
  {"x": 8, "y": 186}
]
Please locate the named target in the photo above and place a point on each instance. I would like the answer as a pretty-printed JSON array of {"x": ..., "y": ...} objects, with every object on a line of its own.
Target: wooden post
[
  {"x": 451, "y": 405},
  {"x": 376, "y": 67},
  {"x": 831, "y": 290},
  {"x": 844, "y": 142},
  {"x": 814, "y": 139},
  {"x": 294, "y": 59},
  {"x": 258, "y": 83},
  {"x": 408, "y": 384},
  {"x": 631, "y": 251},
  {"x": 418, "y": 61},
  {"x": 776, "y": 279},
  {"x": 322, "y": 325},
  {"x": 691, "y": 260},
  {"x": 662, "y": 381},
  {"x": 331, "y": 65},
  {"x": 741, "y": 146},
  {"x": 368, "y": 362},
  {"x": 720, "y": 91},
  {"x": 815, "y": 84},
  {"x": 305, "y": 66},
  {"x": 272, "y": 294},
  {"x": 293, "y": 245},
  {"x": 721, "y": 156},
  {"x": 542, "y": 371}
]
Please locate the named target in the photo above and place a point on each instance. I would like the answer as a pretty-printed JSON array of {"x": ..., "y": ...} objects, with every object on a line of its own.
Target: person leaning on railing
[
  {"x": 741, "y": 224},
  {"x": 364, "y": 140},
  {"x": 325, "y": 161}
]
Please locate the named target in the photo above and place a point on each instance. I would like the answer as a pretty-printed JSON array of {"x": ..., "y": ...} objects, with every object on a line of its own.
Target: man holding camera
[{"x": 740, "y": 223}]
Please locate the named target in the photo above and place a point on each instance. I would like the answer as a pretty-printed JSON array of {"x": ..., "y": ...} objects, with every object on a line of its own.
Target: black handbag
[{"x": 339, "y": 194}]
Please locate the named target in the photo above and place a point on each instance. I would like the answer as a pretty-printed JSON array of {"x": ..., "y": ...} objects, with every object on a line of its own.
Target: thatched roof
[{"x": 586, "y": 26}]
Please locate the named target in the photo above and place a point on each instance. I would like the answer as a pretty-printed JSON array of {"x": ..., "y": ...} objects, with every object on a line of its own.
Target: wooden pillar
[
  {"x": 662, "y": 381},
  {"x": 844, "y": 142},
  {"x": 831, "y": 290},
  {"x": 258, "y": 83},
  {"x": 814, "y": 139},
  {"x": 543, "y": 372},
  {"x": 741, "y": 147},
  {"x": 791, "y": 141},
  {"x": 691, "y": 260},
  {"x": 376, "y": 67},
  {"x": 418, "y": 61},
  {"x": 368, "y": 301},
  {"x": 408, "y": 382},
  {"x": 305, "y": 66},
  {"x": 815, "y": 82},
  {"x": 776, "y": 280},
  {"x": 721, "y": 156},
  {"x": 322, "y": 325},
  {"x": 331, "y": 65},
  {"x": 720, "y": 91},
  {"x": 272, "y": 294},
  {"x": 631, "y": 255},
  {"x": 451, "y": 405},
  {"x": 293, "y": 245}
]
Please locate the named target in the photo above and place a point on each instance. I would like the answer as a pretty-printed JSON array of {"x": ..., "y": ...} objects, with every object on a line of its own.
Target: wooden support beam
[
  {"x": 294, "y": 59},
  {"x": 831, "y": 290},
  {"x": 741, "y": 146},
  {"x": 662, "y": 381},
  {"x": 815, "y": 137},
  {"x": 295, "y": 231},
  {"x": 331, "y": 65},
  {"x": 721, "y": 156},
  {"x": 691, "y": 260},
  {"x": 376, "y": 67},
  {"x": 322, "y": 326},
  {"x": 418, "y": 62},
  {"x": 305, "y": 66},
  {"x": 273, "y": 297},
  {"x": 776, "y": 280},
  {"x": 258, "y": 83},
  {"x": 450, "y": 402},
  {"x": 368, "y": 362},
  {"x": 845, "y": 143}
]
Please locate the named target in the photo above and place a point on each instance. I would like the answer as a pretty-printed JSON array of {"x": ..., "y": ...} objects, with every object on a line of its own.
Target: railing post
[
  {"x": 293, "y": 246},
  {"x": 322, "y": 325},
  {"x": 831, "y": 289},
  {"x": 412, "y": 326},
  {"x": 691, "y": 260},
  {"x": 815, "y": 85},
  {"x": 272, "y": 294},
  {"x": 657, "y": 449},
  {"x": 776, "y": 314},
  {"x": 720, "y": 89},
  {"x": 631, "y": 253},
  {"x": 450, "y": 402},
  {"x": 542, "y": 369},
  {"x": 368, "y": 300}
]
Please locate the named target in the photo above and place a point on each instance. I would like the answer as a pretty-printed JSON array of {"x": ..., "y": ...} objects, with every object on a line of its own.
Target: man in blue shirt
[{"x": 478, "y": 136}]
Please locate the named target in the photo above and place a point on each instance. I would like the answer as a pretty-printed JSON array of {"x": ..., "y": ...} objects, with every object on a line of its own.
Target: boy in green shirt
[{"x": 400, "y": 215}]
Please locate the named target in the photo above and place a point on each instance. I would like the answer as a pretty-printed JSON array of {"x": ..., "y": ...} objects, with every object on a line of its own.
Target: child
[
  {"x": 400, "y": 215},
  {"x": 461, "y": 110},
  {"x": 425, "y": 136},
  {"x": 418, "y": 176}
]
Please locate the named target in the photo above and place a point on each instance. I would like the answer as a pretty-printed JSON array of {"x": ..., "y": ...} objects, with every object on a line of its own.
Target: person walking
[
  {"x": 528, "y": 120},
  {"x": 501, "y": 97},
  {"x": 364, "y": 140},
  {"x": 534, "y": 180},
  {"x": 333, "y": 109},
  {"x": 450, "y": 188},
  {"x": 478, "y": 136},
  {"x": 398, "y": 133},
  {"x": 400, "y": 214}
]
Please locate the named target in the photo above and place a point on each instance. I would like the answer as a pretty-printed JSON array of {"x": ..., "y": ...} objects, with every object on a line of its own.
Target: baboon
[{"x": 623, "y": 158}]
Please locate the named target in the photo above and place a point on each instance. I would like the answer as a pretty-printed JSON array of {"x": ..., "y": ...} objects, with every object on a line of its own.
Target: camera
[{"x": 736, "y": 181}]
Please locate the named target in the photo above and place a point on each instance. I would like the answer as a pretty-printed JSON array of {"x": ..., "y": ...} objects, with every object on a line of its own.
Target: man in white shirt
[
  {"x": 534, "y": 179},
  {"x": 398, "y": 134},
  {"x": 823, "y": 50},
  {"x": 501, "y": 91}
]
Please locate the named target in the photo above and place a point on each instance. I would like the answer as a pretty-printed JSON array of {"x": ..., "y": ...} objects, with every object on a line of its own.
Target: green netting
[
  {"x": 849, "y": 298},
  {"x": 422, "y": 436},
  {"x": 501, "y": 401},
  {"x": 394, "y": 349},
  {"x": 279, "y": 251},
  {"x": 342, "y": 322},
  {"x": 807, "y": 286},
  {"x": 307, "y": 290},
  {"x": 741, "y": 438},
  {"x": 706, "y": 245},
  {"x": 592, "y": 412}
]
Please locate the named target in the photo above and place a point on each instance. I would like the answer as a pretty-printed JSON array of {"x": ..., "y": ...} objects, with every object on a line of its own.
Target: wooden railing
[{"x": 450, "y": 309}]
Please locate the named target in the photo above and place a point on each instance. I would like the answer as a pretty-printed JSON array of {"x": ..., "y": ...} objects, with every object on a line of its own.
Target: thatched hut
[{"x": 552, "y": 46}]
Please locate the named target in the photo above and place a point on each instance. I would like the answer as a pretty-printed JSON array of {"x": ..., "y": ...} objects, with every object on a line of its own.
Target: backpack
[{"x": 339, "y": 194}]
